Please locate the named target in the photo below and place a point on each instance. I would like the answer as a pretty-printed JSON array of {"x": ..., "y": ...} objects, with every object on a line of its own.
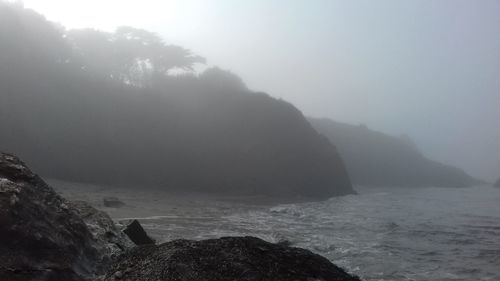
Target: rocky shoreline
[{"x": 47, "y": 237}]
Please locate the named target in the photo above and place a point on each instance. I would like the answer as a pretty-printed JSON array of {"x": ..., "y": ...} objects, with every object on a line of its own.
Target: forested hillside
[{"x": 127, "y": 108}]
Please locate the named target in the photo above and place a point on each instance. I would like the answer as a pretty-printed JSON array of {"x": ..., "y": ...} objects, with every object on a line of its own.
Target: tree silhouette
[{"x": 130, "y": 55}]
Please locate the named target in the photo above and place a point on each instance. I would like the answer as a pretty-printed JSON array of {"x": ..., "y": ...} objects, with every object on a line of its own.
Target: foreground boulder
[
  {"x": 46, "y": 237},
  {"x": 42, "y": 237},
  {"x": 228, "y": 258}
]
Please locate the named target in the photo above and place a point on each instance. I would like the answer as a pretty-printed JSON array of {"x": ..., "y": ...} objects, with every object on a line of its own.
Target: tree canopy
[{"x": 130, "y": 55}]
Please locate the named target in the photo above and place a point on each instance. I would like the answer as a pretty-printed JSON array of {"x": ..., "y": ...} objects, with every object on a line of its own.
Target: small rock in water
[
  {"x": 137, "y": 234},
  {"x": 112, "y": 202}
]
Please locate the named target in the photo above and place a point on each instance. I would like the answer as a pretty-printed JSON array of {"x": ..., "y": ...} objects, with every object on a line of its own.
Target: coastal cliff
[
  {"x": 377, "y": 159},
  {"x": 70, "y": 112}
]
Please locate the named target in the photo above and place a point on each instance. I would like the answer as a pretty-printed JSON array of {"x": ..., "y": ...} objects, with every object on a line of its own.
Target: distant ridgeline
[
  {"x": 377, "y": 159},
  {"x": 85, "y": 105}
]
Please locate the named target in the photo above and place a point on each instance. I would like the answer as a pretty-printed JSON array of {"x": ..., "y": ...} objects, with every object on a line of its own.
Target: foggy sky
[{"x": 425, "y": 68}]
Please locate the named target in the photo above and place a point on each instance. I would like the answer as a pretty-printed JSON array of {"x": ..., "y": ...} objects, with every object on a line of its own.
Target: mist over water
[{"x": 394, "y": 234}]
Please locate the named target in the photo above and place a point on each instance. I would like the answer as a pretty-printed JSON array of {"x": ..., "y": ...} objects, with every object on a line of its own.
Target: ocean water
[{"x": 381, "y": 234}]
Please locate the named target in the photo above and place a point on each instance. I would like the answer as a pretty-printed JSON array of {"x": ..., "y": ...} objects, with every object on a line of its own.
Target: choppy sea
[{"x": 381, "y": 234}]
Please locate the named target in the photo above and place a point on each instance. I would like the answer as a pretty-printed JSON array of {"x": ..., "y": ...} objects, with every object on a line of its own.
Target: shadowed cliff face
[
  {"x": 242, "y": 143},
  {"x": 72, "y": 120},
  {"x": 374, "y": 158}
]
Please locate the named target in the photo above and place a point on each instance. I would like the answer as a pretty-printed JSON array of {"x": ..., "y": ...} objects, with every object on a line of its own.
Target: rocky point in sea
[{"x": 47, "y": 238}]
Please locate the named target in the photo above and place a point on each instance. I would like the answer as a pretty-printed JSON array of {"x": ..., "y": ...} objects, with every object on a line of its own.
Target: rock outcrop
[
  {"x": 497, "y": 184},
  {"x": 224, "y": 259},
  {"x": 108, "y": 239},
  {"x": 377, "y": 159},
  {"x": 42, "y": 237}
]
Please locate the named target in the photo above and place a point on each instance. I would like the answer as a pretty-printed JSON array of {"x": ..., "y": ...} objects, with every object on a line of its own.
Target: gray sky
[{"x": 426, "y": 68}]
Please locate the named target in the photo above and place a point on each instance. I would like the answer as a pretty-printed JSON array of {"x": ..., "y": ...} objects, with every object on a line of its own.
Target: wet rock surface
[
  {"x": 228, "y": 258},
  {"x": 42, "y": 237},
  {"x": 108, "y": 239}
]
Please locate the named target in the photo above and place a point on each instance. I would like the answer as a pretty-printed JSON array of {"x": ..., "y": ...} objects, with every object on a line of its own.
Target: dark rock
[
  {"x": 112, "y": 202},
  {"x": 42, "y": 237},
  {"x": 109, "y": 240},
  {"x": 229, "y": 258},
  {"x": 497, "y": 184},
  {"x": 137, "y": 234}
]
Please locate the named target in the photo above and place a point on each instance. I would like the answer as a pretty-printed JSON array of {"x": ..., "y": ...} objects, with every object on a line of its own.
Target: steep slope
[
  {"x": 204, "y": 132},
  {"x": 374, "y": 158}
]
